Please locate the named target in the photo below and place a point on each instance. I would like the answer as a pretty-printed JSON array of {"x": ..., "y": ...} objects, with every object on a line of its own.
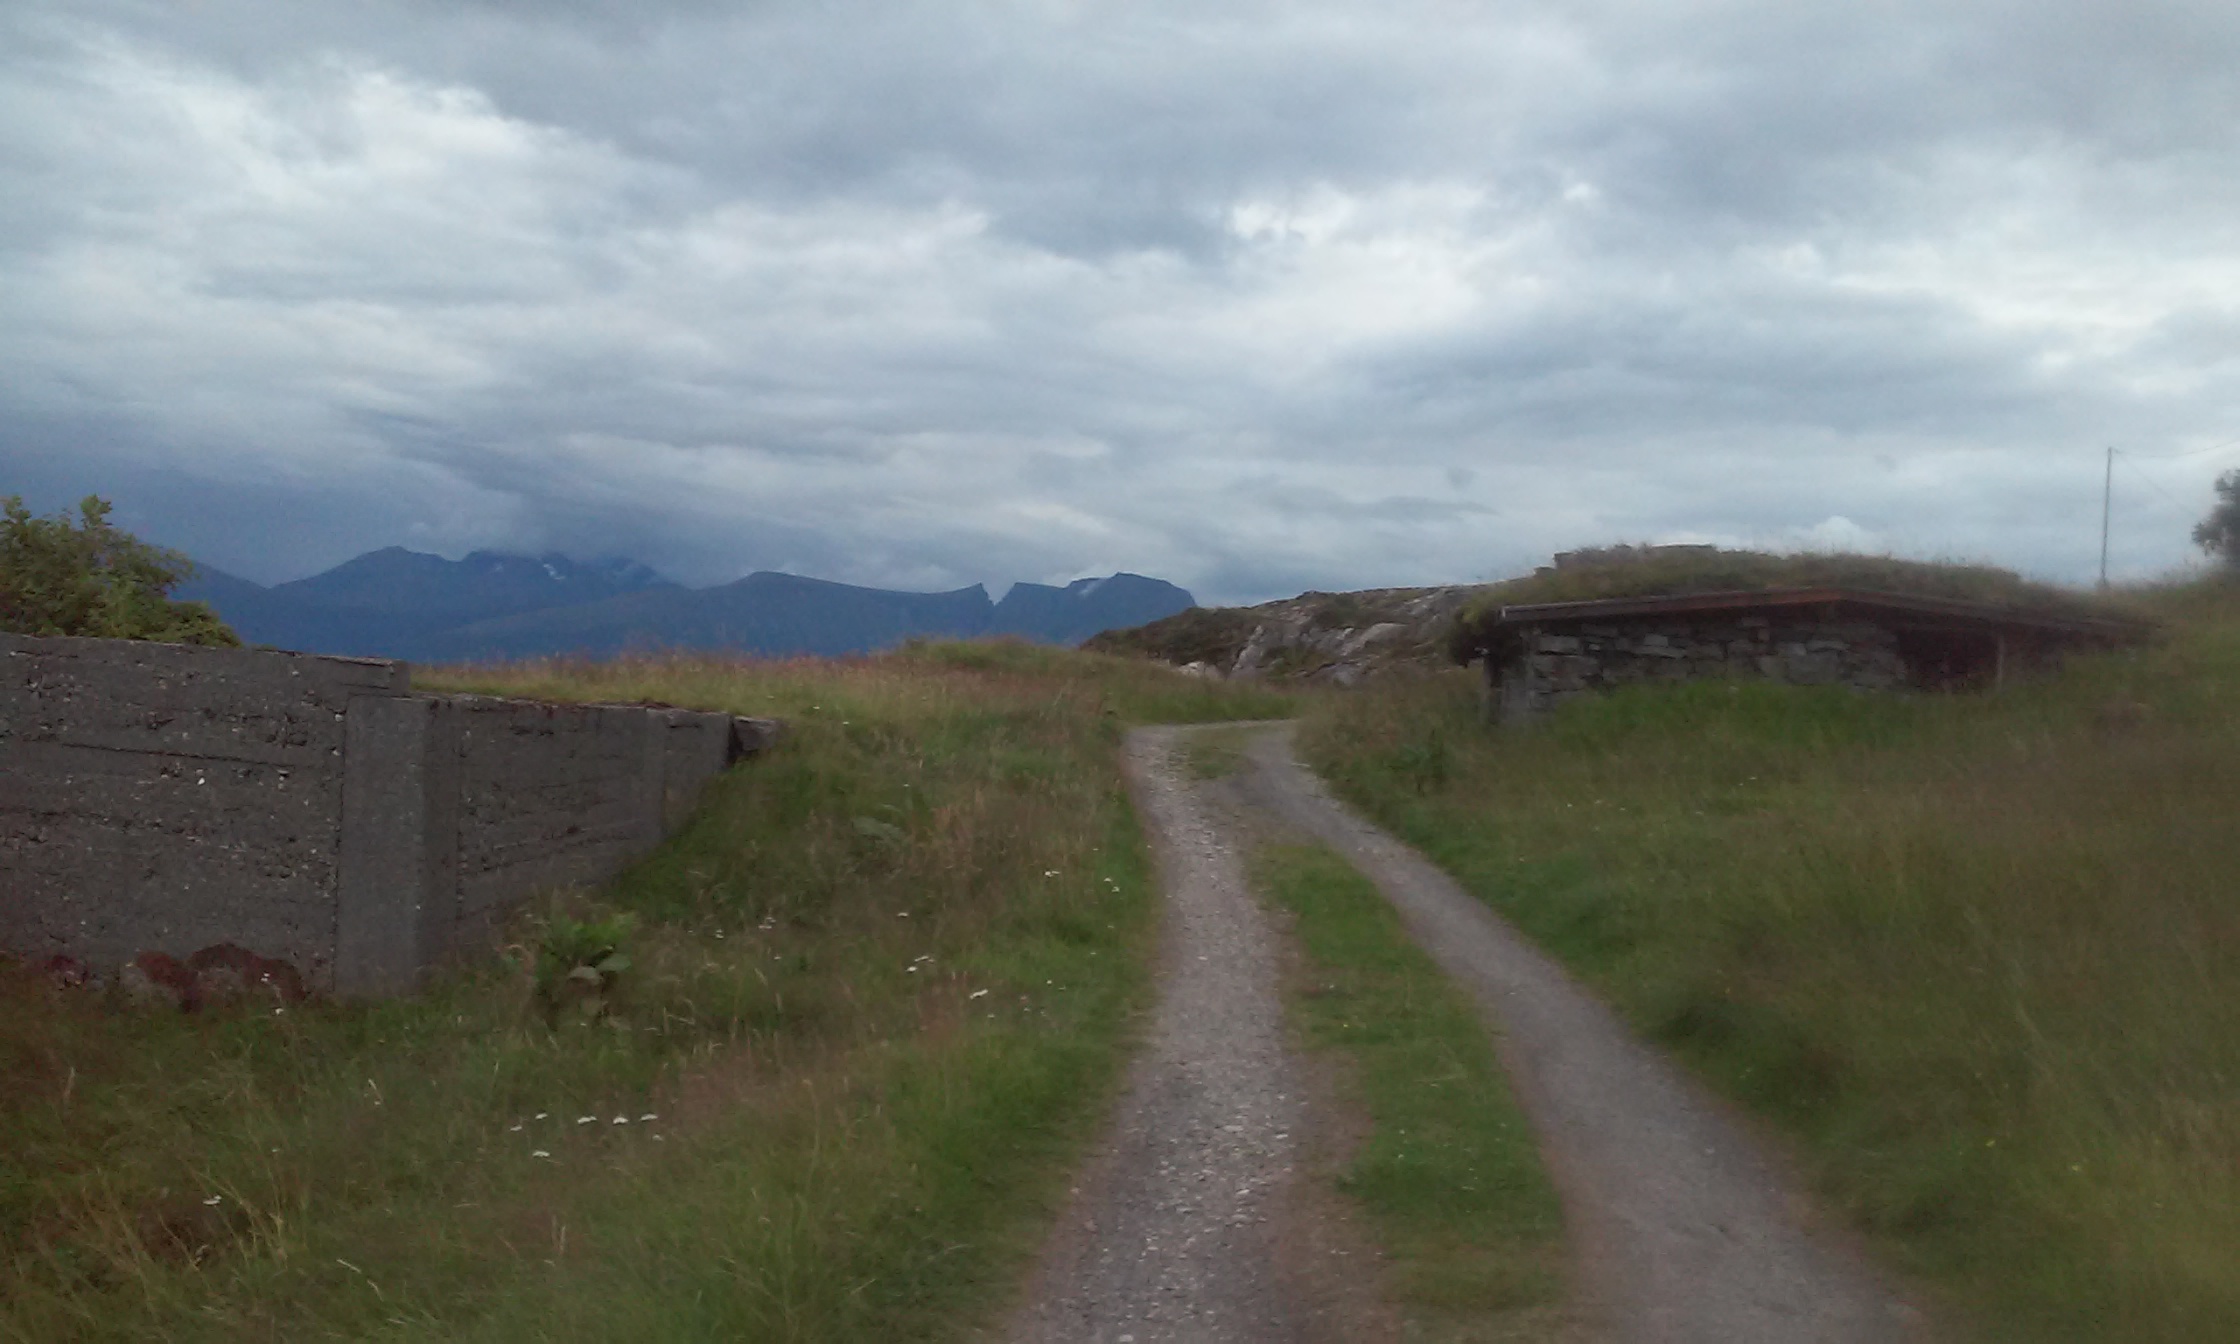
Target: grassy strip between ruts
[
  {"x": 878, "y": 990},
  {"x": 1212, "y": 753},
  {"x": 1976, "y": 951},
  {"x": 1449, "y": 1178}
]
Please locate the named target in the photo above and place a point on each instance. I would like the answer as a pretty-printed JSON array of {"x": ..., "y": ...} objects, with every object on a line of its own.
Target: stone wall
[
  {"x": 1556, "y": 665},
  {"x": 162, "y": 798}
]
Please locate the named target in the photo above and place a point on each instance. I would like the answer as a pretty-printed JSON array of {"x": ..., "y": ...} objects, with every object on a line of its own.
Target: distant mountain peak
[
  {"x": 396, "y": 602},
  {"x": 1086, "y": 607}
]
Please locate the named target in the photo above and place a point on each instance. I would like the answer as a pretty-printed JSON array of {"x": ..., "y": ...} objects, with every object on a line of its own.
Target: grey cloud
[{"x": 1309, "y": 295}]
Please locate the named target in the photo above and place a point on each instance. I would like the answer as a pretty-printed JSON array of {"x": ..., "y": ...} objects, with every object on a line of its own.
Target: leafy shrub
[
  {"x": 2219, "y": 533},
  {"x": 65, "y": 576},
  {"x": 580, "y": 963}
]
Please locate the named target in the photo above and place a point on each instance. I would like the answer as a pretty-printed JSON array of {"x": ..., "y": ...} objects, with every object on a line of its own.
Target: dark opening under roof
[{"x": 1854, "y": 601}]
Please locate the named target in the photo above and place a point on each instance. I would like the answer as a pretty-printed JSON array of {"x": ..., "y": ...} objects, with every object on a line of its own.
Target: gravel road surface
[
  {"x": 1174, "y": 1232},
  {"x": 1687, "y": 1232}
]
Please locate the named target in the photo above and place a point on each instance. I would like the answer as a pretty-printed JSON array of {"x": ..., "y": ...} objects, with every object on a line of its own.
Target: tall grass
[
  {"x": 1976, "y": 951},
  {"x": 877, "y": 990}
]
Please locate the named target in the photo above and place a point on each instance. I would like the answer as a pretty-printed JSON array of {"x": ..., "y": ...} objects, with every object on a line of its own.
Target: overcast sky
[{"x": 1254, "y": 297}]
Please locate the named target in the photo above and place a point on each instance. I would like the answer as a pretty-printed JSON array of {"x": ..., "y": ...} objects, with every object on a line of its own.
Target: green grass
[
  {"x": 1624, "y": 571},
  {"x": 1449, "y": 1179},
  {"x": 879, "y": 989},
  {"x": 1213, "y": 753},
  {"x": 1631, "y": 571},
  {"x": 1127, "y": 688},
  {"x": 1975, "y": 951}
]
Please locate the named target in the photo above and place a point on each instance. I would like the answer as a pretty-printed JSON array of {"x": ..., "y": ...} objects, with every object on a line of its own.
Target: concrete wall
[{"x": 161, "y": 798}]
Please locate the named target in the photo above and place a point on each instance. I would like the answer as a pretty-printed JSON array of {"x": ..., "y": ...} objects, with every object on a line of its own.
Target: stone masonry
[
  {"x": 1558, "y": 666},
  {"x": 1539, "y": 655}
]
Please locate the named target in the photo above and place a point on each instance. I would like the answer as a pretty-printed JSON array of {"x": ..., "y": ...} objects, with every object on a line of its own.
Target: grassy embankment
[
  {"x": 1977, "y": 952},
  {"x": 879, "y": 989},
  {"x": 1448, "y": 1178}
]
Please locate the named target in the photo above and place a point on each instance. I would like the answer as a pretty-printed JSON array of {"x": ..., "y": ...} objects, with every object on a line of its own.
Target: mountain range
[{"x": 396, "y": 603}]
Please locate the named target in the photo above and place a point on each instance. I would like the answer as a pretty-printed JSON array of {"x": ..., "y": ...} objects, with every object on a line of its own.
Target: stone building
[{"x": 1539, "y": 655}]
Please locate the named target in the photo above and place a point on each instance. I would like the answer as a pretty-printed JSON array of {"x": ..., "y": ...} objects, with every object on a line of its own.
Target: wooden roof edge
[{"x": 2107, "y": 627}]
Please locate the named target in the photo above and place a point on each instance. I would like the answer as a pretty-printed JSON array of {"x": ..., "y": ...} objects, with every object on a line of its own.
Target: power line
[
  {"x": 2190, "y": 452},
  {"x": 2108, "y": 495},
  {"x": 2152, "y": 483}
]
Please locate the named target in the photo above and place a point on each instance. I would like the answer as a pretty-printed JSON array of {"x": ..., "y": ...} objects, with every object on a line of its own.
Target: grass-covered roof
[{"x": 1674, "y": 571}]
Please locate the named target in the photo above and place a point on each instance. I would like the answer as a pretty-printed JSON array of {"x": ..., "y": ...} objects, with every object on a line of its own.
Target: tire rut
[
  {"x": 1685, "y": 1230},
  {"x": 1171, "y": 1233}
]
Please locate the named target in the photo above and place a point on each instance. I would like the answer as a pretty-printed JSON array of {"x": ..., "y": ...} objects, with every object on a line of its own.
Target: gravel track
[
  {"x": 1186, "y": 1224},
  {"x": 1686, "y": 1231},
  {"x": 1174, "y": 1232}
]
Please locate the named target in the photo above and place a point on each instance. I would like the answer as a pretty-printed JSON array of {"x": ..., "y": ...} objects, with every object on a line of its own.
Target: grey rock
[
  {"x": 1383, "y": 632},
  {"x": 1812, "y": 669}
]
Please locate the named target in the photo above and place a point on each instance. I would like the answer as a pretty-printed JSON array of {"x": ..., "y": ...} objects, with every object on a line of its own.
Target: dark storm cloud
[{"x": 1260, "y": 298}]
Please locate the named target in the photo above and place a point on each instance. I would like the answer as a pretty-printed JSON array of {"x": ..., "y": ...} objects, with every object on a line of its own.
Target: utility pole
[{"x": 2107, "y": 498}]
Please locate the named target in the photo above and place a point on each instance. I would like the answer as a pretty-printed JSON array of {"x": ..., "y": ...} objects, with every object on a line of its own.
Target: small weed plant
[{"x": 580, "y": 963}]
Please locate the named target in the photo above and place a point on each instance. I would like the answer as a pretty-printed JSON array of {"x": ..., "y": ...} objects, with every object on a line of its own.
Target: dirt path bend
[
  {"x": 1174, "y": 1230},
  {"x": 1687, "y": 1233}
]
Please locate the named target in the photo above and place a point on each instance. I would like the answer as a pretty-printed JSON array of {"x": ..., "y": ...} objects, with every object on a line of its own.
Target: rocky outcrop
[{"x": 1333, "y": 638}]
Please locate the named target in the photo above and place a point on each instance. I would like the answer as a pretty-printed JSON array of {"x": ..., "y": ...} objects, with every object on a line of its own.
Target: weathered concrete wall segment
[
  {"x": 155, "y": 797},
  {"x": 164, "y": 798},
  {"x": 395, "y": 902}
]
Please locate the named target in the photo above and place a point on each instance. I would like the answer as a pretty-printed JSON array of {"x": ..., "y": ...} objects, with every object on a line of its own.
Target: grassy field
[
  {"x": 876, "y": 993},
  {"x": 1978, "y": 953},
  {"x": 1448, "y": 1179}
]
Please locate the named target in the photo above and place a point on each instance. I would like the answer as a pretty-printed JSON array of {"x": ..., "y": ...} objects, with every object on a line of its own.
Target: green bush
[
  {"x": 2219, "y": 533},
  {"x": 65, "y": 576},
  {"x": 580, "y": 963}
]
